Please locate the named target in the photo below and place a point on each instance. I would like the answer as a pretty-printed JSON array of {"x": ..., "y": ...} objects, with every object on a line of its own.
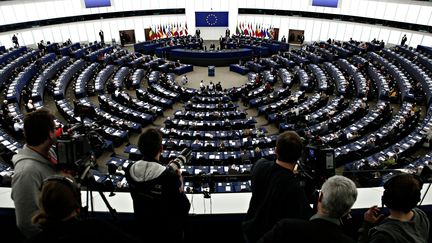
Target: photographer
[
  {"x": 32, "y": 164},
  {"x": 276, "y": 192},
  {"x": 160, "y": 205}
]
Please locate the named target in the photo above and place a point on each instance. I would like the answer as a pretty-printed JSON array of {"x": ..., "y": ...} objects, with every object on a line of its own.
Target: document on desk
[{"x": 133, "y": 150}]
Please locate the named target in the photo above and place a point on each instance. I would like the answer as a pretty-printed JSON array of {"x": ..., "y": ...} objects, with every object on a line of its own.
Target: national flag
[
  {"x": 159, "y": 32},
  {"x": 151, "y": 34},
  {"x": 237, "y": 30},
  {"x": 168, "y": 31},
  {"x": 176, "y": 32},
  {"x": 186, "y": 29}
]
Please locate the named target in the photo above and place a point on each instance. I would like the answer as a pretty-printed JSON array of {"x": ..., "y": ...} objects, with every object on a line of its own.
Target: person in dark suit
[
  {"x": 404, "y": 40},
  {"x": 101, "y": 35},
  {"x": 15, "y": 41},
  {"x": 301, "y": 39},
  {"x": 335, "y": 200},
  {"x": 283, "y": 39},
  {"x": 198, "y": 33}
]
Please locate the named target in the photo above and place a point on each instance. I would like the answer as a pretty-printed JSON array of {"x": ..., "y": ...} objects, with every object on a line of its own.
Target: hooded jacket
[
  {"x": 160, "y": 207},
  {"x": 30, "y": 169},
  {"x": 391, "y": 230}
]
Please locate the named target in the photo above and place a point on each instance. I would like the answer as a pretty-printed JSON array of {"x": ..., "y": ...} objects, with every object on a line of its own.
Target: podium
[{"x": 211, "y": 70}]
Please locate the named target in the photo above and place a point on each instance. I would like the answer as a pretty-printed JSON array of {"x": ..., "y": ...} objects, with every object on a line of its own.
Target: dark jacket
[
  {"x": 389, "y": 230},
  {"x": 298, "y": 230},
  {"x": 74, "y": 230},
  {"x": 276, "y": 194},
  {"x": 160, "y": 208}
]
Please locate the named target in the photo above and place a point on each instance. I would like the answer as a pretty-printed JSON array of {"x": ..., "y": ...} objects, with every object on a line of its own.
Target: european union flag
[{"x": 211, "y": 19}]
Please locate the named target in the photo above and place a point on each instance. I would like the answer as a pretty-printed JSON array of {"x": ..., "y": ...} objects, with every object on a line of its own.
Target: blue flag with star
[{"x": 211, "y": 19}]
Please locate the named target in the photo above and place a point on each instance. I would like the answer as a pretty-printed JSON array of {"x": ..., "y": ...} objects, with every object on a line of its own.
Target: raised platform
[{"x": 210, "y": 58}]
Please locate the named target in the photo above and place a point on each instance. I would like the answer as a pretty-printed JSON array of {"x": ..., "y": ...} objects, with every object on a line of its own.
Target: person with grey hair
[{"x": 335, "y": 200}]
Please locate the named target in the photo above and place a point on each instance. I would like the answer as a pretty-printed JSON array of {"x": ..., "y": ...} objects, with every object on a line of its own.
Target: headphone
[
  {"x": 398, "y": 197},
  {"x": 69, "y": 182}
]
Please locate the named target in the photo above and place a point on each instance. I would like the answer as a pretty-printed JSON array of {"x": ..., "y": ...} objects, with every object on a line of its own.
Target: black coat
[
  {"x": 74, "y": 230},
  {"x": 297, "y": 230}
]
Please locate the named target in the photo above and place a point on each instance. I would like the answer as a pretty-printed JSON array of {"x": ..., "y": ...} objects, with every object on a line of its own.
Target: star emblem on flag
[{"x": 211, "y": 19}]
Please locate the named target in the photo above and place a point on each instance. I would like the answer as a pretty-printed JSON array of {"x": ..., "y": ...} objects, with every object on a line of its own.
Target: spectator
[
  {"x": 33, "y": 163},
  {"x": 58, "y": 216},
  {"x": 160, "y": 205},
  {"x": 335, "y": 200},
  {"x": 276, "y": 193},
  {"x": 406, "y": 223}
]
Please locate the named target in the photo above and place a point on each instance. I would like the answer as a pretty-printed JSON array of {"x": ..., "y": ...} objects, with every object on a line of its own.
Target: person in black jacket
[
  {"x": 276, "y": 192},
  {"x": 404, "y": 40},
  {"x": 335, "y": 200},
  {"x": 406, "y": 222},
  {"x": 58, "y": 216},
  {"x": 160, "y": 205}
]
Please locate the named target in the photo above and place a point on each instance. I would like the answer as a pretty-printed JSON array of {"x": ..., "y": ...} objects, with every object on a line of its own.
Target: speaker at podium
[{"x": 211, "y": 70}]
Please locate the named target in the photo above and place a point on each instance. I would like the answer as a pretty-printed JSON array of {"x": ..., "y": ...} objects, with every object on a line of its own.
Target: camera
[
  {"x": 77, "y": 146},
  {"x": 73, "y": 148},
  {"x": 182, "y": 159},
  {"x": 316, "y": 166}
]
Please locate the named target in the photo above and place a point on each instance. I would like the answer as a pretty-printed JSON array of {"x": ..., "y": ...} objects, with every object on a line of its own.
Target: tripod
[{"x": 90, "y": 184}]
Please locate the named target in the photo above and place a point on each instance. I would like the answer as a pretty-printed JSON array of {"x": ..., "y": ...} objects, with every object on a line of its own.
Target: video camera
[
  {"x": 315, "y": 167},
  {"x": 73, "y": 148},
  {"x": 77, "y": 147}
]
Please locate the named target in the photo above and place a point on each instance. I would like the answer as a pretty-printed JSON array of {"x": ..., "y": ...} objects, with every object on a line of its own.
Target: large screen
[
  {"x": 211, "y": 19},
  {"x": 325, "y": 3},
  {"x": 97, "y": 3}
]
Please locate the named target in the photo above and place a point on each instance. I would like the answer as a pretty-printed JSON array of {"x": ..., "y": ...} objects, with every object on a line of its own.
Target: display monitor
[
  {"x": 325, "y": 3},
  {"x": 97, "y": 3}
]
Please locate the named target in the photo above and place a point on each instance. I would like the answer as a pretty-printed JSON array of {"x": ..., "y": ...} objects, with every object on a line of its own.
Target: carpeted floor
[{"x": 227, "y": 78}]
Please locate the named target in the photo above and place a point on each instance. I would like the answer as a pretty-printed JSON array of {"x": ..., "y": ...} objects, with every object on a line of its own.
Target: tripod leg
[{"x": 112, "y": 211}]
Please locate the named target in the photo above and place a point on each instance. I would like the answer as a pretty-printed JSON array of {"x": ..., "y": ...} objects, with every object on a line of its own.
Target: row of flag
[
  {"x": 168, "y": 30},
  {"x": 259, "y": 31}
]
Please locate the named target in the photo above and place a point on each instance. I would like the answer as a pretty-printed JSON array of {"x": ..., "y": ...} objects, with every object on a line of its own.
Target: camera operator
[
  {"x": 276, "y": 192},
  {"x": 32, "y": 164},
  {"x": 160, "y": 205}
]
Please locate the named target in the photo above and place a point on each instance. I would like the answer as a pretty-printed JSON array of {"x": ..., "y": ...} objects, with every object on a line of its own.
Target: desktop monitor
[
  {"x": 325, "y": 3},
  {"x": 97, "y": 3}
]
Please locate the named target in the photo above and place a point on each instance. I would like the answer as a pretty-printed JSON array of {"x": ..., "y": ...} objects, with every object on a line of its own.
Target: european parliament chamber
[{"x": 220, "y": 80}]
